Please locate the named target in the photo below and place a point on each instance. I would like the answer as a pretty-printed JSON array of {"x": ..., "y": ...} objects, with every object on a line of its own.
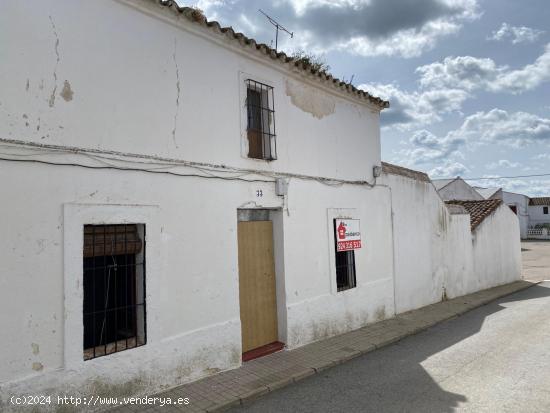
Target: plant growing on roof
[
  {"x": 311, "y": 60},
  {"x": 197, "y": 14}
]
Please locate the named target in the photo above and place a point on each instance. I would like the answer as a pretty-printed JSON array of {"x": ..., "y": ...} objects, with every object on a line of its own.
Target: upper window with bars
[{"x": 260, "y": 121}]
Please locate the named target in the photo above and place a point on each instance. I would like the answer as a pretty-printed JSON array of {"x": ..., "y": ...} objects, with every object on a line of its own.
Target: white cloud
[
  {"x": 515, "y": 129},
  {"x": 471, "y": 73},
  {"x": 248, "y": 24},
  {"x": 525, "y": 186},
  {"x": 463, "y": 72},
  {"x": 378, "y": 27},
  {"x": 364, "y": 27},
  {"x": 527, "y": 78},
  {"x": 446, "y": 85},
  {"x": 414, "y": 109},
  {"x": 521, "y": 34},
  {"x": 405, "y": 43},
  {"x": 427, "y": 148},
  {"x": 503, "y": 163},
  {"x": 496, "y": 126},
  {"x": 448, "y": 170}
]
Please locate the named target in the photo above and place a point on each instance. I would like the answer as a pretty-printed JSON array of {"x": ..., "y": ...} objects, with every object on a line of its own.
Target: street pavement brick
[{"x": 258, "y": 377}]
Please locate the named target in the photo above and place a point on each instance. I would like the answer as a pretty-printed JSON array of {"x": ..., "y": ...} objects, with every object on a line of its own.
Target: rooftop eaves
[{"x": 196, "y": 17}]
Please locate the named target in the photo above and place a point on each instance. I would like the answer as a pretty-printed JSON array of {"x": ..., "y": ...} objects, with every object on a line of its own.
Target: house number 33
[{"x": 259, "y": 193}]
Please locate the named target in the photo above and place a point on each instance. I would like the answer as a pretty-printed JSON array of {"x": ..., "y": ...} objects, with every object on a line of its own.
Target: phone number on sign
[{"x": 348, "y": 245}]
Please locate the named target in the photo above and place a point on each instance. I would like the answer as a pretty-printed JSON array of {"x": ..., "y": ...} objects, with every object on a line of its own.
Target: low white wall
[
  {"x": 538, "y": 233},
  {"x": 457, "y": 255},
  {"x": 419, "y": 219},
  {"x": 496, "y": 247},
  {"x": 436, "y": 254}
]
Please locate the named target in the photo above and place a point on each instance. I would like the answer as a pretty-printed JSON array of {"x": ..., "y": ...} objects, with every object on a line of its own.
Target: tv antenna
[{"x": 278, "y": 27}]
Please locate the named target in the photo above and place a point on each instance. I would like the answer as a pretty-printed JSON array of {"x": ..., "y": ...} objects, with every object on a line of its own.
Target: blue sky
[{"x": 468, "y": 80}]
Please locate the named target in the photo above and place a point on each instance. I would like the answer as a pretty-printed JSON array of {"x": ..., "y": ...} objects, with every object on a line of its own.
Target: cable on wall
[{"x": 157, "y": 164}]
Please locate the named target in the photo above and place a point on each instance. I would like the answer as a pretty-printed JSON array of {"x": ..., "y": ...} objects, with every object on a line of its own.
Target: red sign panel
[{"x": 348, "y": 234}]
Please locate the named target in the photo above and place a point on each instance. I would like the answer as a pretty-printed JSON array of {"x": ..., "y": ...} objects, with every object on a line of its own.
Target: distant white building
[
  {"x": 456, "y": 190},
  {"x": 518, "y": 203},
  {"x": 539, "y": 214},
  {"x": 489, "y": 193},
  {"x": 533, "y": 213},
  {"x": 459, "y": 190}
]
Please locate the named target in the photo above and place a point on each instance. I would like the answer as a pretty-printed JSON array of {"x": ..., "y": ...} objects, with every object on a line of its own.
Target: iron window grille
[
  {"x": 345, "y": 266},
  {"x": 114, "y": 289},
  {"x": 260, "y": 110}
]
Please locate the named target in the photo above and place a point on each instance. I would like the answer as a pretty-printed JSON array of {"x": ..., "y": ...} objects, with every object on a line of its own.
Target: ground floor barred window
[
  {"x": 114, "y": 288},
  {"x": 345, "y": 266}
]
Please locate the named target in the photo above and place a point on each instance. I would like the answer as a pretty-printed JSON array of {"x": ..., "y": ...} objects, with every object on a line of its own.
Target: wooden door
[{"x": 258, "y": 299}]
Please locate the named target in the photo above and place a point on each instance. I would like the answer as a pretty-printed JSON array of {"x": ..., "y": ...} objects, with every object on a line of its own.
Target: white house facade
[
  {"x": 539, "y": 218},
  {"x": 176, "y": 196},
  {"x": 134, "y": 156},
  {"x": 518, "y": 203},
  {"x": 539, "y": 211}
]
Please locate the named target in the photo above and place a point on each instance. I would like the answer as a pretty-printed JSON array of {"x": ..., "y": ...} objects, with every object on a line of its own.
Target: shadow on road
[{"x": 391, "y": 379}]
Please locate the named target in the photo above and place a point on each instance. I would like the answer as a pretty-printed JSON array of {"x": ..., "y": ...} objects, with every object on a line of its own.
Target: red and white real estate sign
[{"x": 348, "y": 234}]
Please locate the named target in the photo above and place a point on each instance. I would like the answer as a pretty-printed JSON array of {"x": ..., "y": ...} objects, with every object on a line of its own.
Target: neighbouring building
[
  {"x": 489, "y": 193},
  {"x": 518, "y": 203},
  {"x": 456, "y": 189},
  {"x": 176, "y": 195},
  {"x": 539, "y": 217},
  {"x": 532, "y": 212},
  {"x": 538, "y": 211}
]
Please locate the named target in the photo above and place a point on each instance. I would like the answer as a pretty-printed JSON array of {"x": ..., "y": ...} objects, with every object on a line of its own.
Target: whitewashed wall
[
  {"x": 106, "y": 76},
  {"x": 125, "y": 76},
  {"x": 521, "y": 202},
  {"x": 102, "y": 74},
  {"x": 437, "y": 255},
  {"x": 496, "y": 248},
  {"x": 537, "y": 216},
  {"x": 419, "y": 220}
]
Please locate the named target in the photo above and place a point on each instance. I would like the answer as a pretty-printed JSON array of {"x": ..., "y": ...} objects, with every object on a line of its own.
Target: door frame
[{"x": 275, "y": 215}]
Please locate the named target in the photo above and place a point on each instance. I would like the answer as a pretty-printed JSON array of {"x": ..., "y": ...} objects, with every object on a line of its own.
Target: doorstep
[
  {"x": 263, "y": 351},
  {"x": 265, "y": 374}
]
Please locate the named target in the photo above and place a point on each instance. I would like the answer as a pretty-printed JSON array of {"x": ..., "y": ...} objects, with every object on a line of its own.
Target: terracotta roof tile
[
  {"x": 409, "y": 173},
  {"x": 196, "y": 17},
  {"x": 543, "y": 200},
  {"x": 478, "y": 210}
]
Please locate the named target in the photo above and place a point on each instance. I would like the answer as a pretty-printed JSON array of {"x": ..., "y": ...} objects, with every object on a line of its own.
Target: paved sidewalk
[{"x": 260, "y": 376}]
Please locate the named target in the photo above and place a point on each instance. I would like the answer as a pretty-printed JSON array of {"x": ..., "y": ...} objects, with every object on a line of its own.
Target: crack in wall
[
  {"x": 178, "y": 88},
  {"x": 51, "y": 101}
]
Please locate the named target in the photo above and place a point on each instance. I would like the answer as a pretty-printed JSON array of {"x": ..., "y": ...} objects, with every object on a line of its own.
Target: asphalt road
[{"x": 493, "y": 359}]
